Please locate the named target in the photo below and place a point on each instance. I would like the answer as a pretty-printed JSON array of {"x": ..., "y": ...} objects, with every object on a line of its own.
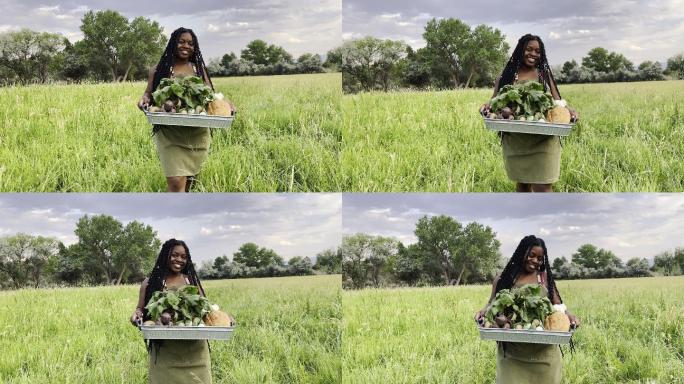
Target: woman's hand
[
  {"x": 137, "y": 317},
  {"x": 484, "y": 109},
  {"x": 144, "y": 102},
  {"x": 574, "y": 321},
  {"x": 479, "y": 316}
]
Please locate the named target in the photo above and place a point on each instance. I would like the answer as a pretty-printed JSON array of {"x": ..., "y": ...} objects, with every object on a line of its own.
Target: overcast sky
[
  {"x": 630, "y": 225},
  {"x": 639, "y": 29},
  {"x": 299, "y": 26},
  {"x": 211, "y": 224}
]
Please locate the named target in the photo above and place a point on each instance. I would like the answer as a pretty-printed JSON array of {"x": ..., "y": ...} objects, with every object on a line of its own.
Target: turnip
[
  {"x": 507, "y": 326},
  {"x": 519, "y": 326}
]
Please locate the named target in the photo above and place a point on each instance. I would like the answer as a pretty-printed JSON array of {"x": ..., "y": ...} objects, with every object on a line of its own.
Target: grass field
[
  {"x": 288, "y": 332},
  {"x": 630, "y": 138},
  {"x": 93, "y": 138},
  {"x": 632, "y": 332}
]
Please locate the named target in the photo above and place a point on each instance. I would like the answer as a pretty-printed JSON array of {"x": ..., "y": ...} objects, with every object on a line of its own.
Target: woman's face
[
  {"x": 185, "y": 47},
  {"x": 532, "y": 54},
  {"x": 534, "y": 259},
  {"x": 177, "y": 259}
]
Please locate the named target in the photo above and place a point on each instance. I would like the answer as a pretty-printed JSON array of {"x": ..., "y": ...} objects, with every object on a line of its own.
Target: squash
[
  {"x": 557, "y": 321},
  {"x": 558, "y": 115},
  {"x": 218, "y": 319},
  {"x": 219, "y": 108}
]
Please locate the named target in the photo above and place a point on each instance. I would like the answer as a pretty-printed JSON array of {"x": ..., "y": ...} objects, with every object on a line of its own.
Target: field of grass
[
  {"x": 630, "y": 138},
  {"x": 93, "y": 138},
  {"x": 632, "y": 332},
  {"x": 288, "y": 332}
]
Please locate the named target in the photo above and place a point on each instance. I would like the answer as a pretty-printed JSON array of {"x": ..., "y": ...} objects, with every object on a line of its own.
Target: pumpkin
[
  {"x": 557, "y": 321},
  {"x": 559, "y": 115},
  {"x": 218, "y": 319},
  {"x": 219, "y": 108}
]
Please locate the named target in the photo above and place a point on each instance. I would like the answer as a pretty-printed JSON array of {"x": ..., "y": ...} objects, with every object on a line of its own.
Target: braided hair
[
  {"x": 517, "y": 263},
  {"x": 513, "y": 65},
  {"x": 156, "y": 279},
  {"x": 168, "y": 58}
]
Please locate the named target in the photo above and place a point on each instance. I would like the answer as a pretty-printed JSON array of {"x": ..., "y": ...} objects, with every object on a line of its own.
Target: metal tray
[
  {"x": 206, "y": 121},
  {"x": 153, "y": 332},
  {"x": 533, "y": 127},
  {"x": 525, "y": 336}
]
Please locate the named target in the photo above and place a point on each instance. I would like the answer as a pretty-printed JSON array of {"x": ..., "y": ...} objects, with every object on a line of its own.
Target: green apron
[{"x": 525, "y": 363}]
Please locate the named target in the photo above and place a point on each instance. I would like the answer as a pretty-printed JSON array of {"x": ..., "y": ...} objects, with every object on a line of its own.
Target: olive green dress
[
  {"x": 531, "y": 159},
  {"x": 180, "y": 362},
  {"x": 525, "y": 363},
  {"x": 182, "y": 150}
]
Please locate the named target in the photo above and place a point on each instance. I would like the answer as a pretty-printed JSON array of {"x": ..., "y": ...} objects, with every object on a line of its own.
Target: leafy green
[
  {"x": 525, "y": 99},
  {"x": 183, "y": 304},
  {"x": 520, "y": 305},
  {"x": 190, "y": 91}
]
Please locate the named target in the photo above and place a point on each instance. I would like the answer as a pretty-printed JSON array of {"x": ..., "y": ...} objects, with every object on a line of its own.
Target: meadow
[
  {"x": 630, "y": 138},
  {"x": 632, "y": 332},
  {"x": 288, "y": 332},
  {"x": 93, "y": 138}
]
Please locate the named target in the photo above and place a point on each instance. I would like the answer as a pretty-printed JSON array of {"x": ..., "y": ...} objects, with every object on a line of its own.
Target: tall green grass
[
  {"x": 632, "y": 332},
  {"x": 630, "y": 138},
  {"x": 288, "y": 332},
  {"x": 93, "y": 138}
]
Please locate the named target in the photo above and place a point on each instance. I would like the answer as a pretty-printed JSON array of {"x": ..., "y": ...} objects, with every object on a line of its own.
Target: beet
[
  {"x": 500, "y": 320},
  {"x": 506, "y": 112},
  {"x": 165, "y": 318},
  {"x": 168, "y": 106}
]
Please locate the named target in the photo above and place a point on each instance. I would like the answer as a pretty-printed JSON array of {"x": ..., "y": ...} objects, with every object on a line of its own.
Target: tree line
[
  {"x": 110, "y": 253},
  {"x": 250, "y": 260},
  {"x": 457, "y": 55},
  {"x": 116, "y": 49},
  {"x": 450, "y": 253}
]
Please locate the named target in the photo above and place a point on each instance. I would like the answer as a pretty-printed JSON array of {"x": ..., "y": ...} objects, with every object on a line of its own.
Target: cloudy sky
[
  {"x": 630, "y": 225},
  {"x": 221, "y": 26},
  {"x": 639, "y": 29},
  {"x": 211, "y": 224}
]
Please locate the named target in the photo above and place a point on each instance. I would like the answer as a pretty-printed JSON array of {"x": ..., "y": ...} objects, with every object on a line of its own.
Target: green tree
[
  {"x": 356, "y": 250},
  {"x": 597, "y": 59},
  {"x": 276, "y": 54},
  {"x": 675, "y": 66},
  {"x": 227, "y": 59},
  {"x": 309, "y": 63},
  {"x": 251, "y": 255},
  {"x": 407, "y": 265},
  {"x": 329, "y": 261},
  {"x": 333, "y": 59},
  {"x": 589, "y": 256},
  {"x": 479, "y": 253},
  {"x": 99, "y": 237},
  {"x": 136, "y": 252},
  {"x": 665, "y": 260},
  {"x": 300, "y": 266},
  {"x": 439, "y": 238},
  {"x": 23, "y": 258},
  {"x": 447, "y": 43},
  {"x": 143, "y": 43},
  {"x": 679, "y": 258},
  {"x": 649, "y": 70},
  {"x": 256, "y": 52},
  {"x": 368, "y": 62},
  {"x": 485, "y": 53},
  {"x": 29, "y": 55},
  {"x": 558, "y": 262},
  {"x": 637, "y": 267}
]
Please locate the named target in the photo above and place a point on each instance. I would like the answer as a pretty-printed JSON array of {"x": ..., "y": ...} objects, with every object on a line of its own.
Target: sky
[
  {"x": 639, "y": 29},
  {"x": 211, "y": 224},
  {"x": 299, "y": 26},
  {"x": 629, "y": 225}
]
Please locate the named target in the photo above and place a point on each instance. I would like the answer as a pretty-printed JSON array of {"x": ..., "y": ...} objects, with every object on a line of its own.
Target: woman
[
  {"x": 182, "y": 150},
  {"x": 523, "y": 362},
  {"x": 532, "y": 161},
  {"x": 173, "y": 361}
]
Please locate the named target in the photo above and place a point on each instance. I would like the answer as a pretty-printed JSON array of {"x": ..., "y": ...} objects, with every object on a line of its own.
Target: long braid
[
  {"x": 513, "y": 65},
  {"x": 168, "y": 58}
]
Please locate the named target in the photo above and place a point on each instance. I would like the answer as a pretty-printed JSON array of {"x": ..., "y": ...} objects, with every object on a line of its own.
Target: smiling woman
[
  {"x": 182, "y": 150},
  {"x": 173, "y": 361}
]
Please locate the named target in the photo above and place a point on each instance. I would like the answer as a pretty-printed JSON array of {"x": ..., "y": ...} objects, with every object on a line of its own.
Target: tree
[
  {"x": 649, "y": 70},
  {"x": 637, "y": 267},
  {"x": 485, "y": 53},
  {"x": 369, "y": 61},
  {"x": 333, "y": 59},
  {"x": 309, "y": 63},
  {"x": 439, "y": 238},
  {"x": 675, "y": 66},
  {"x": 300, "y": 266},
  {"x": 558, "y": 262},
  {"x": 666, "y": 261},
  {"x": 277, "y": 54},
  {"x": 478, "y": 252},
  {"x": 597, "y": 59},
  {"x": 679, "y": 258},
  {"x": 143, "y": 44},
  {"x": 355, "y": 250},
  {"x": 30, "y": 55},
  {"x": 407, "y": 264},
  {"x": 447, "y": 42},
  {"x": 98, "y": 237},
  {"x": 227, "y": 59},
  {"x": 75, "y": 63},
  {"x": 568, "y": 67},
  {"x": 329, "y": 261},
  {"x": 589, "y": 256},
  {"x": 23, "y": 258},
  {"x": 256, "y": 52},
  {"x": 136, "y": 252},
  {"x": 251, "y": 255}
]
